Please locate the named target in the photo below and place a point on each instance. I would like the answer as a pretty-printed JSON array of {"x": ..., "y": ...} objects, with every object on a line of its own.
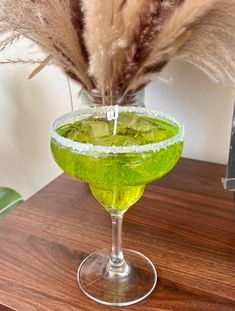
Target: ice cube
[
  {"x": 126, "y": 131},
  {"x": 78, "y": 136},
  {"x": 84, "y": 127},
  {"x": 116, "y": 140},
  {"x": 65, "y": 130},
  {"x": 73, "y": 135},
  {"x": 155, "y": 136},
  {"x": 126, "y": 119},
  {"x": 121, "y": 140},
  {"x": 99, "y": 128},
  {"x": 142, "y": 125},
  {"x": 99, "y": 141},
  {"x": 131, "y": 142}
]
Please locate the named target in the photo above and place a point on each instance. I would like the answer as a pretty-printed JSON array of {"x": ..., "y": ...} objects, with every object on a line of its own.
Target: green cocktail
[
  {"x": 117, "y": 160},
  {"x": 118, "y": 181}
]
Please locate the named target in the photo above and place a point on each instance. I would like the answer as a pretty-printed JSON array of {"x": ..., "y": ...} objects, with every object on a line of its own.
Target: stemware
[{"x": 117, "y": 176}]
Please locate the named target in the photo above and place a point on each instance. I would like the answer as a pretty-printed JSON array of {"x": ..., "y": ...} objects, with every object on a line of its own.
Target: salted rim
[{"x": 83, "y": 148}]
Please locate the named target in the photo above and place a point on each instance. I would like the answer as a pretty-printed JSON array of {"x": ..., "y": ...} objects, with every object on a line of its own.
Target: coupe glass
[{"x": 116, "y": 277}]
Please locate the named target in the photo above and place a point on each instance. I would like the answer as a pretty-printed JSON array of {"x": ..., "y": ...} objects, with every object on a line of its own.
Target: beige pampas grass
[
  {"x": 77, "y": 17},
  {"x": 41, "y": 66},
  {"x": 103, "y": 32},
  {"x": 141, "y": 33},
  {"x": 130, "y": 21},
  {"x": 118, "y": 46},
  {"x": 131, "y": 13},
  {"x": 211, "y": 46},
  {"x": 48, "y": 23},
  {"x": 174, "y": 34}
]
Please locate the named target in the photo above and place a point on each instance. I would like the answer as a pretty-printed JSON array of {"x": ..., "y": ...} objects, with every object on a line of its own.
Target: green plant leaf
[{"x": 9, "y": 200}]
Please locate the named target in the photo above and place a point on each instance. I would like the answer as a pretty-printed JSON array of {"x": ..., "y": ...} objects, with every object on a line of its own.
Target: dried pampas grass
[
  {"x": 102, "y": 32},
  {"x": 49, "y": 24},
  {"x": 174, "y": 34},
  {"x": 146, "y": 27},
  {"x": 118, "y": 46},
  {"x": 211, "y": 46}
]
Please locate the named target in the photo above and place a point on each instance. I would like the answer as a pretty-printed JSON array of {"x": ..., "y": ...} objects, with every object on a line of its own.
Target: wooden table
[{"x": 185, "y": 223}]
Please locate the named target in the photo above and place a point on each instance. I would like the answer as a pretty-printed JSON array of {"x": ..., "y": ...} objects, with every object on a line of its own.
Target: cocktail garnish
[{"x": 113, "y": 115}]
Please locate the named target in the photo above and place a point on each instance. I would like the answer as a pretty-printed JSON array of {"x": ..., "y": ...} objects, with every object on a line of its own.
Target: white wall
[
  {"x": 27, "y": 109},
  {"x": 204, "y": 107}
]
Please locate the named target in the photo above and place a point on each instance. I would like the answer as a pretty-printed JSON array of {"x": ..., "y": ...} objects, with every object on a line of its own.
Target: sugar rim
[{"x": 83, "y": 148}]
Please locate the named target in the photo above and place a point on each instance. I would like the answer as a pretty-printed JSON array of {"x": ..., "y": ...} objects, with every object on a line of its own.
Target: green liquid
[{"x": 117, "y": 181}]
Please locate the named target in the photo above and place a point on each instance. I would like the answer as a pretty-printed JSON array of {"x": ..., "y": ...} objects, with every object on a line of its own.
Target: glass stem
[{"x": 117, "y": 263}]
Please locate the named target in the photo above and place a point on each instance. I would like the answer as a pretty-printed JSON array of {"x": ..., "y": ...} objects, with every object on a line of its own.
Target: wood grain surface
[
  {"x": 185, "y": 223},
  {"x": 5, "y": 308}
]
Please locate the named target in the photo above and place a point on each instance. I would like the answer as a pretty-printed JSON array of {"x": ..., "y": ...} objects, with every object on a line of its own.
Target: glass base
[{"x": 135, "y": 282}]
